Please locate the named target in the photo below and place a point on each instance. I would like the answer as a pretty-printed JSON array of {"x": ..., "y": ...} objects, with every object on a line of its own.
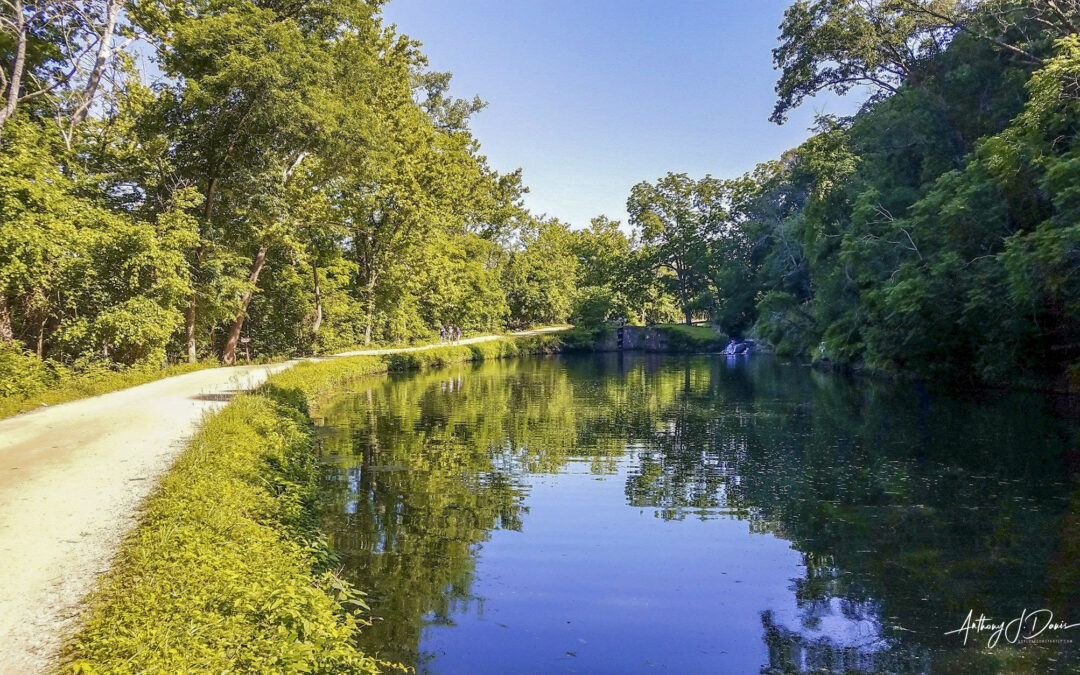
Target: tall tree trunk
[
  {"x": 15, "y": 79},
  {"x": 318, "y": 299},
  {"x": 189, "y": 315},
  {"x": 370, "y": 309},
  {"x": 211, "y": 193},
  {"x": 684, "y": 296},
  {"x": 229, "y": 354},
  {"x": 101, "y": 61},
  {"x": 41, "y": 339},
  {"x": 189, "y": 329},
  {"x": 7, "y": 336}
]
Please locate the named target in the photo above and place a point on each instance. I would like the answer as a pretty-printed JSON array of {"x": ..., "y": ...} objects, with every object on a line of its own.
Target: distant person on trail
[
  {"x": 442, "y": 334},
  {"x": 457, "y": 334}
]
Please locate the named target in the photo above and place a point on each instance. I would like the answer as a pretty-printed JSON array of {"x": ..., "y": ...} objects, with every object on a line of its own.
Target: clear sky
[{"x": 589, "y": 97}]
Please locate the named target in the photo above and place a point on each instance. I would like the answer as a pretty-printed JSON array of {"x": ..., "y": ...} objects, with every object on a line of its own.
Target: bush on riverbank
[
  {"x": 585, "y": 338},
  {"x": 27, "y": 382},
  {"x": 681, "y": 337},
  {"x": 226, "y": 571},
  {"x": 659, "y": 338},
  {"x": 481, "y": 351}
]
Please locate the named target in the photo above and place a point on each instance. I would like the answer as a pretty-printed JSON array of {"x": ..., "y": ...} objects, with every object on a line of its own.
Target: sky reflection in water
[{"x": 636, "y": 513}]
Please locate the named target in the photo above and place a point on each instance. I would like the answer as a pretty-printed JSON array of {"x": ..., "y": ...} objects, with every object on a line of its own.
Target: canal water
[{"x": 645, "y": 513}]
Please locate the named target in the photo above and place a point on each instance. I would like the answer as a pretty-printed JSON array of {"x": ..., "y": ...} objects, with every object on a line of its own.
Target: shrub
[
  {"x": 225, "y": 571},
  {"x": 586, "y": 338},
  {"x": 22, "y": 374},
  {"x": 137, "y": 330},
  {"x": 593, "y": 306}
]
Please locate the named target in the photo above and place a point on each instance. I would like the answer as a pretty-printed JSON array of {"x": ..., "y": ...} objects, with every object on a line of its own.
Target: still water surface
[{"x": 639, "y": 513}]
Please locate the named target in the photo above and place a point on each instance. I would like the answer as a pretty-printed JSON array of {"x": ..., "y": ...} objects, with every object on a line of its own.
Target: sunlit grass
[
  {"x": 226, "y": 572},
  {"x": 63, "y": 386}
]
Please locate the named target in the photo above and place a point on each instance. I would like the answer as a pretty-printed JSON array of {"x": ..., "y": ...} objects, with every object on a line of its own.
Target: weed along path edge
[{"x": 71, "y": 479}]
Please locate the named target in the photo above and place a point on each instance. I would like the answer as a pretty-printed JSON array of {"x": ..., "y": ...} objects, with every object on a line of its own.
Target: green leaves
[
  {"x": 540, "y": 276},
  {"x": 678, "y": 219},
  {"x": 837, "y": 45},
  {"x": 930, "y": 265},
  {"x": 99, "y": 280},
  {"x": 297, "y": 177}
]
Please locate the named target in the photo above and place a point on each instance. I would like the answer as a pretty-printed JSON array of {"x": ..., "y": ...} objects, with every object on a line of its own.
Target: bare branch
[
  {"x": 1062, "y": 16},
  {"x": 101, "y": 61},
  {"x": 15, "y": 81},
  {"x": 959, "y": 23}
]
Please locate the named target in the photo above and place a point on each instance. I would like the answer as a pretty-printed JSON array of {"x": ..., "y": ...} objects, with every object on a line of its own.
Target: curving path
[{"x": 71, "y": 479}]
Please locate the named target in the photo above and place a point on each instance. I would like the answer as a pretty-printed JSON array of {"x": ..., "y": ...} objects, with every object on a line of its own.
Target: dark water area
[{"x": 640, "y": 513}]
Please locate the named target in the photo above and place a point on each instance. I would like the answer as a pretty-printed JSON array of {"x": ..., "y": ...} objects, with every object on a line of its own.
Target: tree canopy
[
  {"x": 299, "y": 181},
  {"x": 930, "y": 234},
  {"x": 296, "y": 179}
]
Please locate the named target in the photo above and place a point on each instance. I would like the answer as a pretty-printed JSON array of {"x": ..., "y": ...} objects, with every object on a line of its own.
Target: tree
[
  {"x": 59, "y": 49},
  {"x": 836, "y": 45},
  {"x": 678, "y": 217},
  {"x": 85, "y": 281},
  {"x": 540, "y": 277},
  {"x": 603, "y": 257},
  {"x": 247, "y": 118},
  {"x": 297, "y": 177}
]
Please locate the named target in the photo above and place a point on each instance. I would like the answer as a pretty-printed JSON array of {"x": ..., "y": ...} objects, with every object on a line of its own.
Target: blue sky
[{"x": 593, "y": 96}]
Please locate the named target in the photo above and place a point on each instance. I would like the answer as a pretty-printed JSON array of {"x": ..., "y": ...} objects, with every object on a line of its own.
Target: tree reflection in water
[{"x": 908, "y": 507}]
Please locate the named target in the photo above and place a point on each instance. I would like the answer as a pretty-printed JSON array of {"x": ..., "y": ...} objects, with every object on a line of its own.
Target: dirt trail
[{"x": 71, "y": 479}]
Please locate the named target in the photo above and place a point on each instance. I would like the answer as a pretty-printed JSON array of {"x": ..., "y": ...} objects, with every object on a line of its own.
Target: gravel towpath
[{"x": 71, "y": 479}]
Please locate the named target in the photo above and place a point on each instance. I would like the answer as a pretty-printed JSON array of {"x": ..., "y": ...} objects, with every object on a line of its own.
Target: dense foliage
[
  {"x": 297, "y": 181},
  {"x": 934, "y": 233},
  {"x": 292, "y": 179}
]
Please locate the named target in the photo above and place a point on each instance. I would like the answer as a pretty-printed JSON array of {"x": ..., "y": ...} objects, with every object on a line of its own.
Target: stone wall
[{"x": 639, "y": 338}]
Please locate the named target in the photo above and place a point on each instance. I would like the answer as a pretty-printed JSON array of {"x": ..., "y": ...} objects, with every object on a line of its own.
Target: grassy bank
[
  {"x": 27, "y": 383},
  {"x": 304, "y": 383},
  {"x": 227, "y": 571}
]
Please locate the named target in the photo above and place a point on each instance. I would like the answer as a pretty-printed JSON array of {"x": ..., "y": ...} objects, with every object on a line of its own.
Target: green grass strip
[
  {"x": 226, "y": 571},
  {"x": 305, "y": 383}
]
